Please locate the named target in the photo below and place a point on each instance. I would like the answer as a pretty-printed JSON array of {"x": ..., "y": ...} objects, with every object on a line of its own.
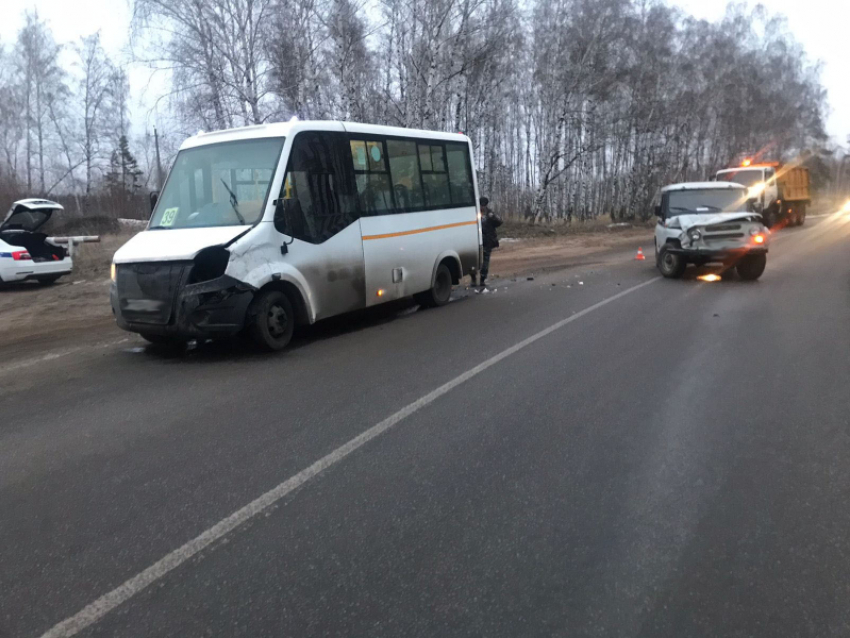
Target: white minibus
[{"x": 267, "y": 227}]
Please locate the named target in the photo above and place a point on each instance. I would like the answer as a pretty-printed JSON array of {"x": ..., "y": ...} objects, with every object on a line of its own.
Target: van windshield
[
  {"x": 716, "y": 200},
  {"x": 748, "y": 177},
  {"x": 218, "y": 185}
]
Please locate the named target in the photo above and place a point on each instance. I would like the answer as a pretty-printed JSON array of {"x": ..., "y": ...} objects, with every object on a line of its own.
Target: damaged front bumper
[
  {"x": 208, "y": 309},
  {"x": 728, "y": 254}
]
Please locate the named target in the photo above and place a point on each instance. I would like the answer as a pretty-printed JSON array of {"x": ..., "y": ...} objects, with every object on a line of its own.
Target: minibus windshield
[{"x": 218, "y": 185}]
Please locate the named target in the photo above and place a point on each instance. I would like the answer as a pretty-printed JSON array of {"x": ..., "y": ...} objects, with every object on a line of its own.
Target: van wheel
[
  {"x": 440, "y": 293},
  {"x": 751, "y": 267},
  {"x": 271, "y": 320},
  {"x": 671, "y": 265},
  {"x": 48, "y": 280}
]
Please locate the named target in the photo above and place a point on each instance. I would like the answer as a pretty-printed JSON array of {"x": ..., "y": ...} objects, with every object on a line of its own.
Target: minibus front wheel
[{"x": 271, "y": 320}]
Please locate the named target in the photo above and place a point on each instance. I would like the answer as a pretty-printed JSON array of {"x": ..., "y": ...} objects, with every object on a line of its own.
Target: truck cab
[
  {"x": 710, "y": 222},
  {"x": 781, "y": 193},
  {"x": 762, "y": 187}
]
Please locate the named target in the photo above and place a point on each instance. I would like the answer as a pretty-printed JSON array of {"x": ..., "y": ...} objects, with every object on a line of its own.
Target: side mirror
[
  {"x": 154, "y": 199},
  {"x": 658, "y": 211}
]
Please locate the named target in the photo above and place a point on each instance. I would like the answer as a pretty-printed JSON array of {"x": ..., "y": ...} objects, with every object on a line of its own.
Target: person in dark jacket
[{"x": 490, "y": 221}]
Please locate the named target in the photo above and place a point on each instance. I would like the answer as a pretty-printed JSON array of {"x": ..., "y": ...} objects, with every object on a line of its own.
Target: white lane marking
[
  {"x": 106, "y": 603},
  {"x": 51, "y": 356}
]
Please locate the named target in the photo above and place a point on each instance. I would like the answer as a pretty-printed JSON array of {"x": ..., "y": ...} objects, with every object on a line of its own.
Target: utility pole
[{"x": 159, "y": 179}]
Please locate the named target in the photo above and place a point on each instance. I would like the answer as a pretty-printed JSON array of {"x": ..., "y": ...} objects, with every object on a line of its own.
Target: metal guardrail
[{"x": 73, "y": 242}]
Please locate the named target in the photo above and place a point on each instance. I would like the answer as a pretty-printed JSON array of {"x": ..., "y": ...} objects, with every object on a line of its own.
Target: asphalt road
[{"x": 606, "y": 454}]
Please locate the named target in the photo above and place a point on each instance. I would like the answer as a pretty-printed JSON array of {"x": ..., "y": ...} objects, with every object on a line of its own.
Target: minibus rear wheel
[
  {"x": 271, "y": 320},
  {"x": 441, "y": 292}
]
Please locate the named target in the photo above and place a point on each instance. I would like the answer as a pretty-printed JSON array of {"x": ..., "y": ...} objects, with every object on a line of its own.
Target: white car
[
  {"x": 25, "y": 253},
  {"x": 705, "y": 222}
]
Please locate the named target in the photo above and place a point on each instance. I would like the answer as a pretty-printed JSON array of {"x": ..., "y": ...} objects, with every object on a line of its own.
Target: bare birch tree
[
  {"x": 576, "y": 108},
  {"x": 96, "y": 86}
]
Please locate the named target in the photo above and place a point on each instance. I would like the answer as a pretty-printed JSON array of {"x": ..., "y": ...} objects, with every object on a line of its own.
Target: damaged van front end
[
  {"x": 720, "y": 238},
  {"x": 170, "y": 283},
  {"x": 181, "y": 299}
]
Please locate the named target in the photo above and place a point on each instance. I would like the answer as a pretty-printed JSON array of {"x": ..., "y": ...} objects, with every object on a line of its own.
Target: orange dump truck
[{"x": 780, "y": 192}]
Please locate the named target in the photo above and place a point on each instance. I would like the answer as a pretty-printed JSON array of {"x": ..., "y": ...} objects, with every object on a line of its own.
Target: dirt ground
[
  {"x": 76, "y": 311},
  {"x": 525, "y": 256},
  {"x": 75, "y": 308}
]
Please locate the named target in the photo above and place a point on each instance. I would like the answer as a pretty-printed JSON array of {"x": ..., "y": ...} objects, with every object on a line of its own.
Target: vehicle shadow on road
[
  {"x": 29, "y": 286},
  {"x": 240, "y": 348},
  {"x": 714, "y": 274}
]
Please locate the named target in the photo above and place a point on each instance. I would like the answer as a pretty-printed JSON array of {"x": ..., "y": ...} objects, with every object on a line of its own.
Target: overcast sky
[{"x": 821, "y": 26}]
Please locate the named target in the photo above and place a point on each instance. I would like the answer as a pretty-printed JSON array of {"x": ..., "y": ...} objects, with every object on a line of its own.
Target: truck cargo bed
[{"x": 794, "y": 184}]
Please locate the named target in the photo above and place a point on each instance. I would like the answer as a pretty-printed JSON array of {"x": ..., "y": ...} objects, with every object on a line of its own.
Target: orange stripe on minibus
[{"x": 419, "y": 230}]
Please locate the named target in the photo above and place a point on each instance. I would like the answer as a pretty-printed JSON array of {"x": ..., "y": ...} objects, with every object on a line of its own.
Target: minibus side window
[
  {"x": 369, "y": 160},
  {"x": 319, "y": 180},
  {"x": 460, "y": 176},
  {"x": 435, "y": 179},
  {"x": 404, "y": 169}
]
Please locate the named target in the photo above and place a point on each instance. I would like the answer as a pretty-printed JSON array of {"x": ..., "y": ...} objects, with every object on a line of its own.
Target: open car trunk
[
  {"x": 35, "y": 244},
  {"x": 21, "y": 228}
]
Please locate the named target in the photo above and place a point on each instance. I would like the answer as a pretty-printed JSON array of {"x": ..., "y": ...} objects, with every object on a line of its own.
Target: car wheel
[
  {"x": 272, "y": 320},
  {"x": 441, "y": 292},
  {"x": 48, "y": 280},
  {"x": 751, "y": 267},
  {"x": 671, "y": 264}
]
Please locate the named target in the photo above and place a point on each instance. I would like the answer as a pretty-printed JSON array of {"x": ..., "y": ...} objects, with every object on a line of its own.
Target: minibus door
[{"x": 319, "y": 211}]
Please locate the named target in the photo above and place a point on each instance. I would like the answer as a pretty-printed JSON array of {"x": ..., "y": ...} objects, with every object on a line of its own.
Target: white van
[
  {"x": 266, "y": 227},
  {"x": 709, "y": 222}
]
